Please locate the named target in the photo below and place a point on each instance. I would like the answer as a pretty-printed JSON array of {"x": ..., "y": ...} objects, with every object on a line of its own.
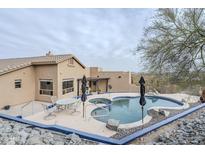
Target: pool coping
[
  {"x": 103, "y": 139},
  {"x": 147, "y": 118},
  {"x": 160, "y": 97}
]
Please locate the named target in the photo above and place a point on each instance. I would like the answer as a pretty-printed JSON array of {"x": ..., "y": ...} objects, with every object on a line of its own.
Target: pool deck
[
  {"x": 75, "y": 121},
  {"x": 89, "y": 124}
]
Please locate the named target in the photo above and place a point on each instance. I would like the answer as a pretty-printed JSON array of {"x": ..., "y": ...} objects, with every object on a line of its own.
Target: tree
[{"x": 175, "y": 42}]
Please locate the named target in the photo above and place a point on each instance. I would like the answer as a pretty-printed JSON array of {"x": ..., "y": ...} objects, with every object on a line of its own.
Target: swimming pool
[{"x": 127, "y": 109}]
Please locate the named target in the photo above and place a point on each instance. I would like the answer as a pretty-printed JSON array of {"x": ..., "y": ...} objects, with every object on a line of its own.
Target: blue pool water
[{"x": 128, "y": 110}]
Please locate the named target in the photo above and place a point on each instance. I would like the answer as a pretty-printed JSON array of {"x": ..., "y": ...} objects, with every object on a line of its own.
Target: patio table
[{"x": 66, "y": 102}]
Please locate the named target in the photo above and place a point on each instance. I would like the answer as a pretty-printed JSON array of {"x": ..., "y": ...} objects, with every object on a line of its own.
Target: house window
[
  {"x": 18, "y": 83},
  {"x": 67, "y": 86},
  {"x": 46, "y": 87}
]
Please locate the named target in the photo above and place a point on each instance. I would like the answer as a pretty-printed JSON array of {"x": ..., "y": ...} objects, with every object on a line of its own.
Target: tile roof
[{"x": 8, "y": 65}]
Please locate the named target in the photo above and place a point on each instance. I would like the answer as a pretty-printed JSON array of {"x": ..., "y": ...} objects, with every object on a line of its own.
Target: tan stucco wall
[
  {"x": 45, "y": 72},
  {"x": 11, "y": 96},
  {"x": 66, "y": 71},
  {"x": 102, "y": 85},
  {"x": 94, "y": 71},
  {"x": 122, "y": 84}
]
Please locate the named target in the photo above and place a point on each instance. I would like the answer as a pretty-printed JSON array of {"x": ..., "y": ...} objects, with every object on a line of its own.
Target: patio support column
[
  {"x": 107, "y": 85},
  {"x": 96, "y": 82},
  {"x": 78, "y": 88}
]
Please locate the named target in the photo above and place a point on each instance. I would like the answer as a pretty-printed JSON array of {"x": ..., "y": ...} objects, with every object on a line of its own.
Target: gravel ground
[
  {"x": 13, "y": 133},
  {"x": 187, "y": 130}
]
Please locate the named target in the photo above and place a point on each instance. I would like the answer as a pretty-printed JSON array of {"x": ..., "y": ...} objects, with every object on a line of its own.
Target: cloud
[{"x": 98, "y": 37}]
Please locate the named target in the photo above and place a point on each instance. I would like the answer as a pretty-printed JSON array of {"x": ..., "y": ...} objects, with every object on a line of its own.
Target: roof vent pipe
[{"x": 49, "y": 53}]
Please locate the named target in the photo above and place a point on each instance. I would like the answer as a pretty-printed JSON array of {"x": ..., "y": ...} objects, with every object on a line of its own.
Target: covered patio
[{"x": 95, "y": 85}]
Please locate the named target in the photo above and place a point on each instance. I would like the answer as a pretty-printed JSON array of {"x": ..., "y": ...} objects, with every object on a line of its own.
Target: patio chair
[
  {"x": 74, "y": 108},
  {"x": 50, "y": 111},
  {"x": 53, "y": 100}
]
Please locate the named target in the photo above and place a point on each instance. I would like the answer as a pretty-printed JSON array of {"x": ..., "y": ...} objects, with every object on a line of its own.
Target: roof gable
[{"x": 8, "y": 65}]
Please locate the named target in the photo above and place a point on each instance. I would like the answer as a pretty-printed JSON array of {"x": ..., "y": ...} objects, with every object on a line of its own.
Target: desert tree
[{"x": 174, "y": 42}]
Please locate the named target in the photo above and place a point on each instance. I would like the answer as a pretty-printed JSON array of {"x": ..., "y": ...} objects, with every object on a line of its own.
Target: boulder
[
  {"x": 164, "y": 113},
  {"x": 153, "y": 112},
  {"x": 183, "y": 101},
  {"x": 156, "y": 113},
  {"x": 112, "y": 124}
]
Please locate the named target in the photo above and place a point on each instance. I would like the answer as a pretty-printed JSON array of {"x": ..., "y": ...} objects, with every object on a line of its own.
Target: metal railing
[
  {"x": 26, "y": 104},
  {"x": 32, "y": 103}
]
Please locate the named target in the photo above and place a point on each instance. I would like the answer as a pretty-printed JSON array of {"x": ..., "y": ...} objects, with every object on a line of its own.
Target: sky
[{"x": 97, "y": 37}]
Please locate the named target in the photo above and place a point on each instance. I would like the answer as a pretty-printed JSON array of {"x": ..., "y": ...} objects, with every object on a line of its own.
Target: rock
[
  {"x": 164, "y": 113},
  {"x": 112, "y": 124},
  {"x": 161, "y": 138},
  {"x": 35, "y": 132},
  {"x": 156, "y": 113},
  {"x": 59, "y": 143},
  {"x": 194, "y": 142},
  {"x": 180, "y": 131},
  {"x": 184, "y": 122},
  {"x": 48, "y": 138},
  {"x": 11, "y": 142},
  {"x": 34, "y": 140},
  {"x": 73, "y": 138},
  {"x": 183, "y": 100},
  {"x": 167, "y": 135},
  {"x": 153, "y": 112},
  {"x": 197, "y": 121},
  {"x": 24, "y": 136},
  {"x": 7, "y": 129},
  {"x": 28, "y": 130},
  {"x": 182, "y": 141}
]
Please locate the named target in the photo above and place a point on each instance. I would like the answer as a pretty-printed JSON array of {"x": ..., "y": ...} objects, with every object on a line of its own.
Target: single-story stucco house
[{"x": 37, "y": 78}]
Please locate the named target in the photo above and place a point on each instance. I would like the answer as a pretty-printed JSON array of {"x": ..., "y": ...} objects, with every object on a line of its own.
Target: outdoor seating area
[{"x": 70, "y": 105}]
